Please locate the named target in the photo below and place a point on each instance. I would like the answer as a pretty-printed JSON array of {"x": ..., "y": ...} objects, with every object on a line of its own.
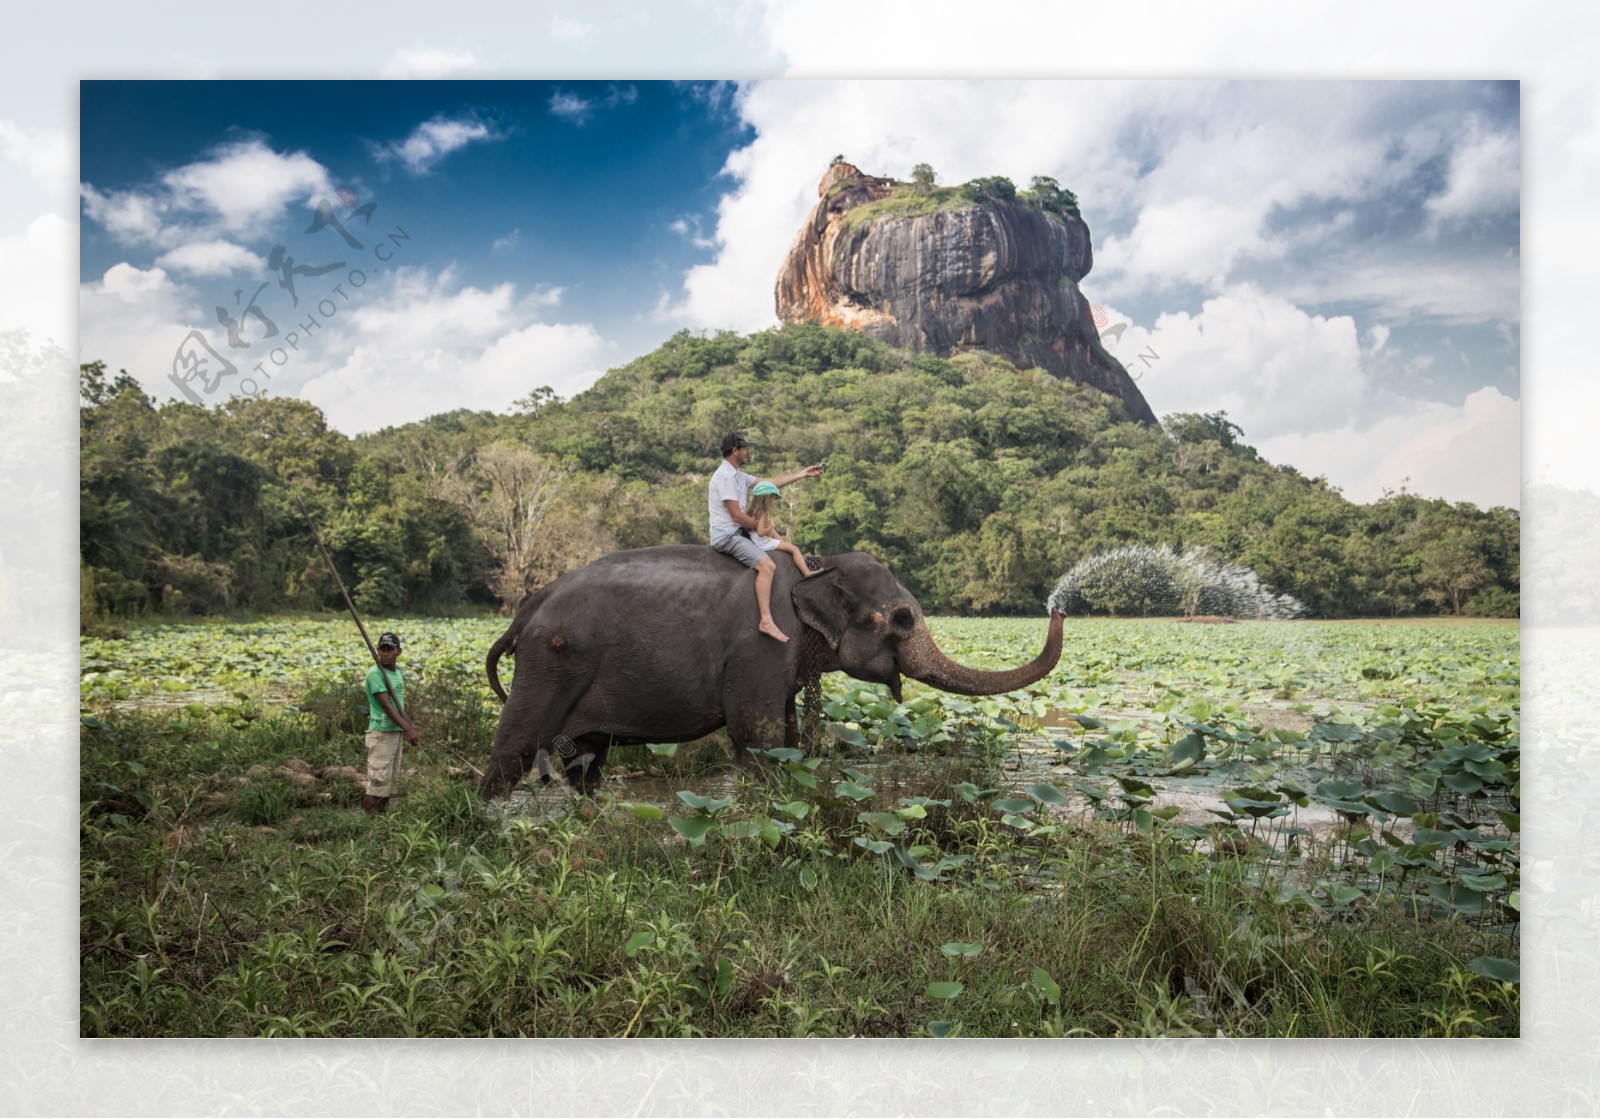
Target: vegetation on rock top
[{"x": 922, "y": 196}]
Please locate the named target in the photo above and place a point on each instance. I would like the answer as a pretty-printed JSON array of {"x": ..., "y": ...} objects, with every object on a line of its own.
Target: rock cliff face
[{"x": 1000, "y": 276}]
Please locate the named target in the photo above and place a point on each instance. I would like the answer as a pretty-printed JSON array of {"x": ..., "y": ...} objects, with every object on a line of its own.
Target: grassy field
[{"x": 1262, "y": 829}]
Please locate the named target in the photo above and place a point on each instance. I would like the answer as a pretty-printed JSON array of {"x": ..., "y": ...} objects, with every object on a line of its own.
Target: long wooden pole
[{"x": 356, "y": 614}]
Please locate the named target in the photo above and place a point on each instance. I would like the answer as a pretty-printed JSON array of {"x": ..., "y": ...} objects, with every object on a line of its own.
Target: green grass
[
  {"x": 838, "y": 895},
  {"x": 906, "y": 202}
]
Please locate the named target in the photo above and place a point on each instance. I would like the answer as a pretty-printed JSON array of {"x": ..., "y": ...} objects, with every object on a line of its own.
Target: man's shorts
[
  {"x": 383, "y": 761},
  {"x": 740, "y": 549}
]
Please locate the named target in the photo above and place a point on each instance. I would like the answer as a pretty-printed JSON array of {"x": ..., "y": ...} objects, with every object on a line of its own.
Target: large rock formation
[{"x": 934, "y": 274}]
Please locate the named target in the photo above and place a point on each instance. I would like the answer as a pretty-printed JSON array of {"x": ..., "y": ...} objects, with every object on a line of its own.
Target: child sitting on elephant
[{"x": 758, "y": 507}]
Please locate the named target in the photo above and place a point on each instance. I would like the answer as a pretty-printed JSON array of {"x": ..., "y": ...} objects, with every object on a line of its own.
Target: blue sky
[
  {"x": 567, "y": 205},
  {"x": 1336, "y": 264}
]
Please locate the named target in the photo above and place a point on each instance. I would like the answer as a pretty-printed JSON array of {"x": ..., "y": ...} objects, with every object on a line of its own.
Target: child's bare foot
[{"x": 771, "y": 629}]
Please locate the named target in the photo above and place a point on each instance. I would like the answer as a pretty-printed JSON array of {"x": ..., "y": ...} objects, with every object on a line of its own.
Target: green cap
[{"x": 762, "y": 489}]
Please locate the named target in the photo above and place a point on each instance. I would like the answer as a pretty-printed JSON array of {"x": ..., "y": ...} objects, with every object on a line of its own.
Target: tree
[
  {"x": 1188, "y": 427},
  {"x": 1049, "y": 195},
  {"x": 924, "y": 178},
  {"x": 1451, "y": 564},
  {"x": 991, "y": 187},
  {"x": 94, "y": 389},
  {"x": 978, "y": 484},
  {"x": 288, "y": 437},
  {"x": 536, "y": 402},
  {"x": 505, "y": 492}
]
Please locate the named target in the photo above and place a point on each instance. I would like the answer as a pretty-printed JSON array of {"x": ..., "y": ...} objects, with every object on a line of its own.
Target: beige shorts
[{"x": 383, "y": 761}]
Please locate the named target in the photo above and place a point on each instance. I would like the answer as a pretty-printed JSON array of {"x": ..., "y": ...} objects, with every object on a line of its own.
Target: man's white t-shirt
[{"x": 727, "y": 484}]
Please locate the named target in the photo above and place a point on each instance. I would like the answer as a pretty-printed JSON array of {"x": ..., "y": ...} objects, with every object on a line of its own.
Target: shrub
[
  {"x": 1493, "y": 602},
  {"x": 991, "y": 186},
  {"x": 1052, "y": 197}
]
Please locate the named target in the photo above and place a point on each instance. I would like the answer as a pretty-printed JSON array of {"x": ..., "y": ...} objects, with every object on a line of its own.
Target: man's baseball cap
[
  {"x": 388, "y": 641},
  {"x": 732, "y": 442}
]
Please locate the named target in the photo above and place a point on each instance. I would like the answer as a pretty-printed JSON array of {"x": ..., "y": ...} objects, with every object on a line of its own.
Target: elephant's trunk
[{"x": 922, "y": 659}]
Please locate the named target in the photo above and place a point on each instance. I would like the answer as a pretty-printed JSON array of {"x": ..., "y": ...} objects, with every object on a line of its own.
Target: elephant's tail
[{"x": 507, "y": 641}]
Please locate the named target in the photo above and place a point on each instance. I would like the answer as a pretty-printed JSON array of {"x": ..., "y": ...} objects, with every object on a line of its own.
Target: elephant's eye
[{"x": 903, "y": 618}]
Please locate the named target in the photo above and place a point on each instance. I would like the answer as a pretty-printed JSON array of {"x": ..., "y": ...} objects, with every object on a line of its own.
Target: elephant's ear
[{"x": 822, "y": 603}]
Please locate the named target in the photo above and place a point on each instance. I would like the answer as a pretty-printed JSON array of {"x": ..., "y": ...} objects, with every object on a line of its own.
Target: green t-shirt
[{"x": 378, "y": 718}]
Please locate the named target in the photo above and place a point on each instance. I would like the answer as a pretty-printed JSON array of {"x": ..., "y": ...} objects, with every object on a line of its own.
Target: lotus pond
[{"x": 1256, "y": 829}]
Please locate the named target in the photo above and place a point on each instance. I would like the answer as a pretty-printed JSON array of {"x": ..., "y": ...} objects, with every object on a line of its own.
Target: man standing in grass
[{"x": 387, "y": 725}]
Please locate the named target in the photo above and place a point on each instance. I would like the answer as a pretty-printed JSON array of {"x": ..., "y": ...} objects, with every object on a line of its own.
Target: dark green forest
[{"x": 979, "y": 484}]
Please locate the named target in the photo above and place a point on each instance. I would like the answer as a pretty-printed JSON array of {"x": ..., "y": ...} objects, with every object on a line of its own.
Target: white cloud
[
  {"x": 130, "y": 217},
  {"x": 40, "y": 263},
  {"x": 434, "y": 139},
  {"x": 1298, "y": 386},
  {"x": 425, "y": 347},
  {"x": 569, "y": 106},
  {"x": 508, "y": 242},
  {"x": 211, "y": 258},
  {"x": 246, "y": 185},
  {"x": 1477, "y": 288},
  {"x": 130, "y": 284},
  {"x": 1200, "y": 178},
  {"x": 1272, "y": 366},
  {"x": 567, "y": 28},
  {"x": 1190, "y": 240},
  {"x": 1466, "y": 453},
  {"x": 378, "y": 386},
  {"x": 427, "y": 62},
  {"x": 241, "y": 190},
  {"x": 135, "y": 319},
  {"x": 1377, "y": 337},
  {"x": 690, "y": 228},
  {"x": 1485, "y": 178},
  {"x": 576, "y": 109},
  {"x": 408, "y": 345},
  {"x": 47, "y": 155}
]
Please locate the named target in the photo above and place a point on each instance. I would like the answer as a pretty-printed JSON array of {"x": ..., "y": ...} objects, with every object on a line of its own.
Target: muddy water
[
  {"x": 1198, "y": 798},
  {"x": 558, "y": 798},
  {"x": 1033, "y": 759}
]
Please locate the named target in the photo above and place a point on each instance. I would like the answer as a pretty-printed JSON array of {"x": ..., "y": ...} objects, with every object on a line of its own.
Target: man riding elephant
[{"x": 731, "y": 525}]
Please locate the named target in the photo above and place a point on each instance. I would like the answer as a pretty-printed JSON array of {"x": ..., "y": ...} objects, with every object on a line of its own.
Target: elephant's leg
[
  {"x": 791, "y": 728},
  {"x": 526, "y": 731},
  {"x": 586, "y": 768},
  {"x": 756, "y": 726},
  {"x": 755, "y": 703}
]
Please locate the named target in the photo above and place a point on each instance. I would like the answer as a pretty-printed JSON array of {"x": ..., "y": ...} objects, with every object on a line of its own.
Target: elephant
[{"x": 657, "y": 645}]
